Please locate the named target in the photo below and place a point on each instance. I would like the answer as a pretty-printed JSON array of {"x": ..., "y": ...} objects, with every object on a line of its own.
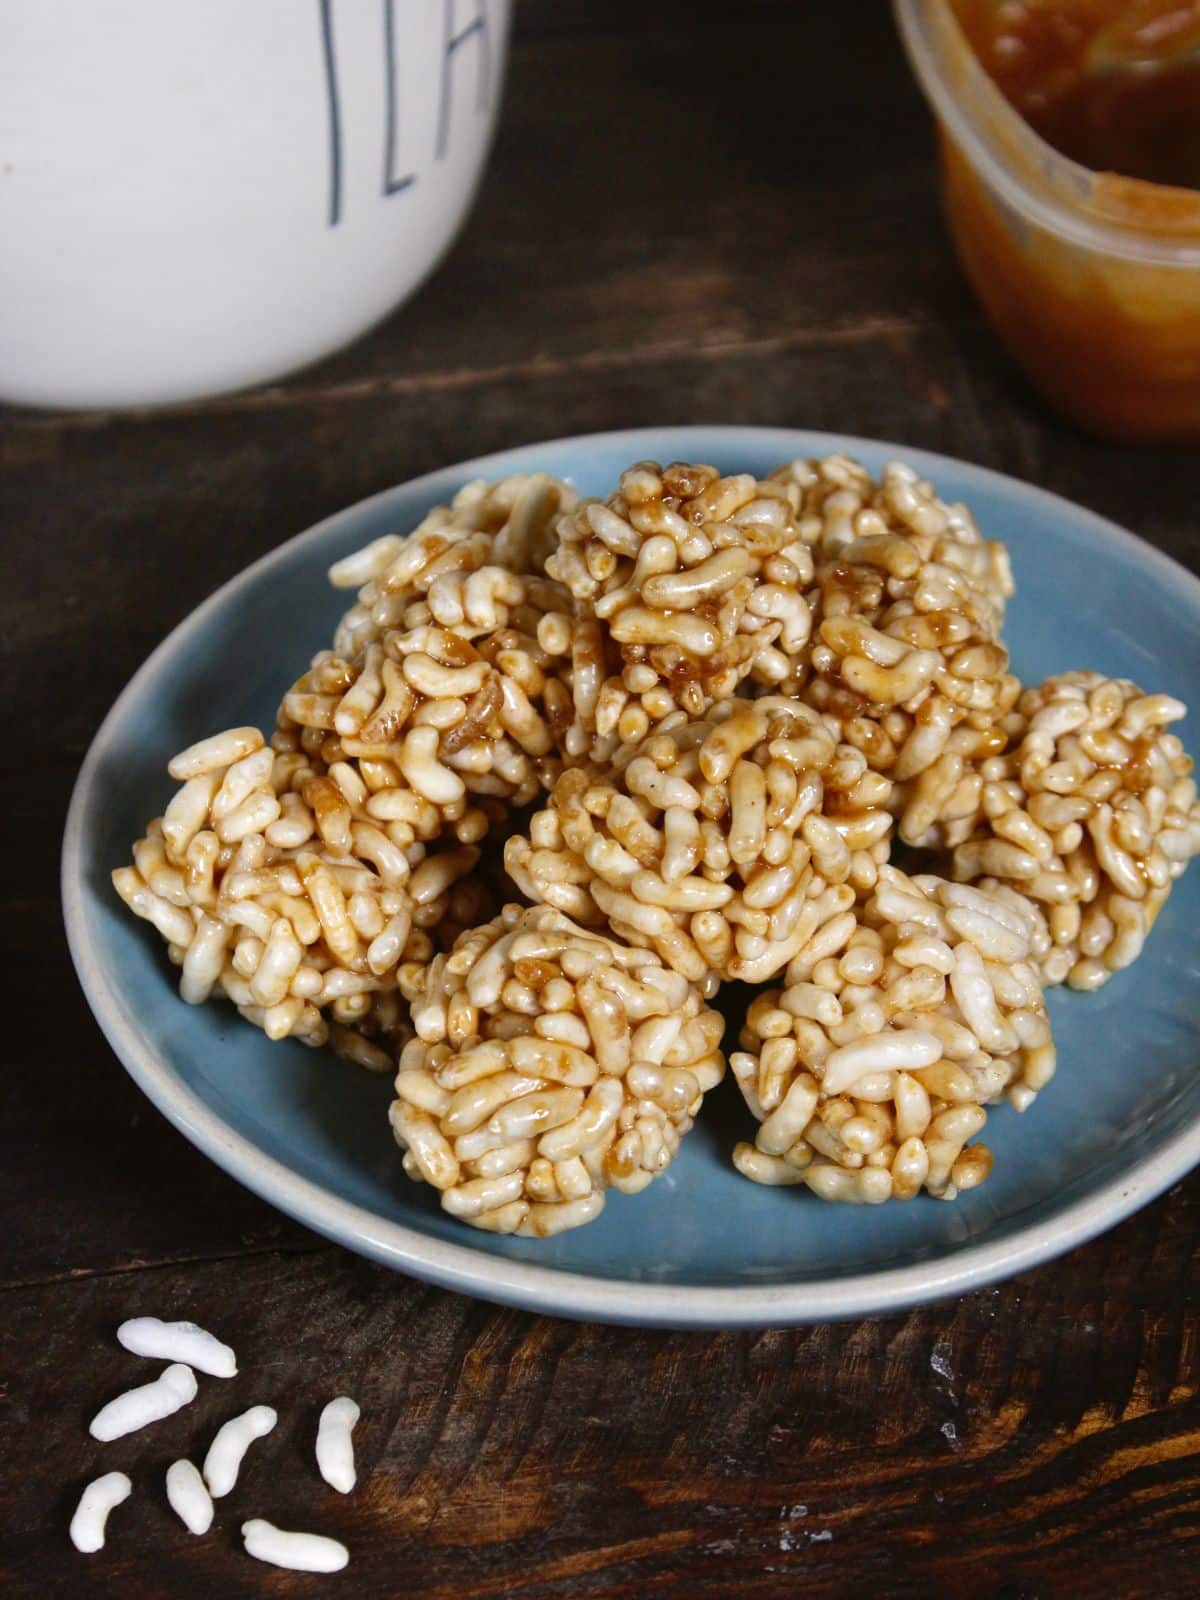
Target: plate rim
[{"x": 469, "y": 1269}]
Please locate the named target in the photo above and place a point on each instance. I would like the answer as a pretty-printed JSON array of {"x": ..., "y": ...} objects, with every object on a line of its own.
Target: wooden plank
[{"x": 1039, "y": 1439}]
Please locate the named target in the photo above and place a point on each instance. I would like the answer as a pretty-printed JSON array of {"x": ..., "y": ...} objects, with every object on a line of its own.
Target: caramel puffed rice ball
[
  {"x": 1093, "y": 815},
  {"x": 907, "y": 605},
  {"x": 274, "y": 887},
  {"x": 681, "y": 580},
  {"x": 870, "y": 1070},
  {"x": 550, "y": 1063},
  {"x": 437, "y": 687},
  {"x": 729, "y": 844}
]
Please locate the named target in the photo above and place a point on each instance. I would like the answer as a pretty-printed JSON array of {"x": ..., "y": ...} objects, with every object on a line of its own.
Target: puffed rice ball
[
  {"x": 907, "y": 606},
  {"x": 549, "y": 1064},
  {"x": 682, "y": 579},
  {"x": 869, "y": 1070},
  {"x": 727, "y": 844},
  {"x": 274, "y": 886},
  {"x": 1093, "y": 815},
  {"x": 456, "y": 567},
  {"x": 437, "y": 688},
  {"x": 840, "y": 504}
]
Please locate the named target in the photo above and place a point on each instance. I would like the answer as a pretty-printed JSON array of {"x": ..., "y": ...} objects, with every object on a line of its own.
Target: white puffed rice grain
[
  {"x": 228, "y": 1449},
  {"x": 335, "y": 1447},
  {"x": 188, "y": 1497},
  {"x": 100, "y": 1497},
  {"x": 173, "y": 1389},
  {"x": 178, "y": 1341},
  {"x": 298, "y": 1552}
]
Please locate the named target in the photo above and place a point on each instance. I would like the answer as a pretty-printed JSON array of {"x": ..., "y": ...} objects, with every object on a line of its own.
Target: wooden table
[{"x": 693, "y": 214}]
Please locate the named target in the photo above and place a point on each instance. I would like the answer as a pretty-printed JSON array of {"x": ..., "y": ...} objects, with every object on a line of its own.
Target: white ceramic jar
[{"x": 194, "y": 198}]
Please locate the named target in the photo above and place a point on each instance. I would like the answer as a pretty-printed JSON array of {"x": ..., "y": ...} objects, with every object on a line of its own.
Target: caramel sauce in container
[{"x": 1091, "y": 277}]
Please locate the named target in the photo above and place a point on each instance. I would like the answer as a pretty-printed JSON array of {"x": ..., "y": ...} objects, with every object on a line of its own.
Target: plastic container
[{"x": 1092, "y": 280}]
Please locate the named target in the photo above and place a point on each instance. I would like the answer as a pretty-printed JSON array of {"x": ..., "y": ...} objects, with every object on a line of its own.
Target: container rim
[{"x": 919, "y": 23}]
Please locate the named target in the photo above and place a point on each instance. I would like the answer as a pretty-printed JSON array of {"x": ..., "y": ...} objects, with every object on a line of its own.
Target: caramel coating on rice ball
[
  {"x": 1093, "y": 815},
  {"x": 869, "y": 1070},
  {"x": 550, "y": 1063},
  {"x": 727, "y": 844},
  {"x": 942, "y": 805}
]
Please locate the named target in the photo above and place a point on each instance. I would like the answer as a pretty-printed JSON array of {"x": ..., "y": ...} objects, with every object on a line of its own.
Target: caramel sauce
[
  {"x": 1113, "y": 84},
  {"x": 1112, "y": 339},
  {"x": 1143, "y": 124}
]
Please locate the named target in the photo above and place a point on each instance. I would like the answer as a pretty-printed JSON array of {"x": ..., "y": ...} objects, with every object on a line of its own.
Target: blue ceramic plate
[{"x": 702, "y": 1246}]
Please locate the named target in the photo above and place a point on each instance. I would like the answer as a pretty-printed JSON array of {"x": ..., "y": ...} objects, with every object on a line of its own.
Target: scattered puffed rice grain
[
  {"x": 95, "y": 1503},
  {"x": 234, "y": 1438},
  {"x": 335, "y": 1448},
  {"x": 178, "y": 1341},
  {"x": 299, "y": 1552},
  {"x": 188, "y": 1497},
  {"x": 151, "y": 1402}
]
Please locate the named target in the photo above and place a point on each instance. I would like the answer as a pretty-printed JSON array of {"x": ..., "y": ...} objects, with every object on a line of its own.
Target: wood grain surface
[{"x": 693, "y": 213}]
